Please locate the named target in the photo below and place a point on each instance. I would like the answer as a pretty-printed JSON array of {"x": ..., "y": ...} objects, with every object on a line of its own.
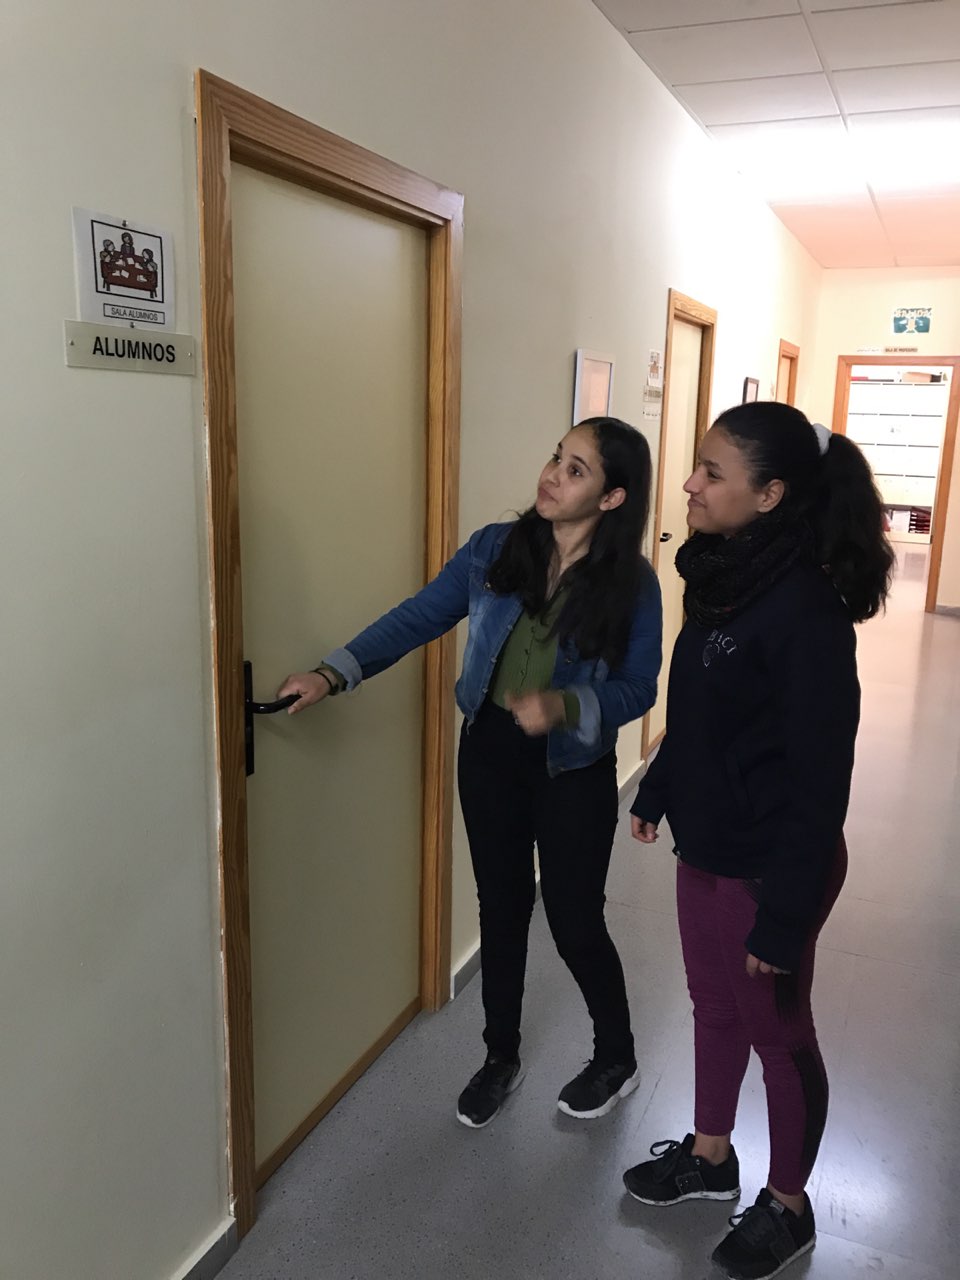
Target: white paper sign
[
  {"x": 124, "y": 271},
  {"x": 655, "y": 370}
]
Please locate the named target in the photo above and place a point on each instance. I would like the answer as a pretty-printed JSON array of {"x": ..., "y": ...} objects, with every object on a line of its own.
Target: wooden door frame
[
  {"x": 681, "y": 307},
  {"x": 941, "y": 497},
  {"x": 234, "y": 125},
  {"x": 792, "y": 352}
]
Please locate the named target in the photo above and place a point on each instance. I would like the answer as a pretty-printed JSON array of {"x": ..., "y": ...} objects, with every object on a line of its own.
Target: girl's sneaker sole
[
  {"x": 738, "y": 1275},
  {"x": 624, "y": 1091},
  {"x": 473, "y": 1124},
  {"x": 692, "y": 1195}
]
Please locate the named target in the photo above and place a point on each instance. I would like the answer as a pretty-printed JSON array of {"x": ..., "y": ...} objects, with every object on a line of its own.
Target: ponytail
[
  {"x": 847, "y": 518},
  {"x": 827, "y": 482}
]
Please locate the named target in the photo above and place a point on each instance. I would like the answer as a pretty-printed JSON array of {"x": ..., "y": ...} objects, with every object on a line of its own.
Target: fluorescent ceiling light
[
  {"x": 795, "y": 162},
  {"x": 904, "y": 152},
  {"x": 820, "y": 161}
]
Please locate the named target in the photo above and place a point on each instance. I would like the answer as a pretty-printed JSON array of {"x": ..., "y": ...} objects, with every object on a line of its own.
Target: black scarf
[{"x": 724, "y": 575}]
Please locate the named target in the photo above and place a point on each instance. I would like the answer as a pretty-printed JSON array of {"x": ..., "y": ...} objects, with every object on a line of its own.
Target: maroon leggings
[{"x": 771, "y": 1013}]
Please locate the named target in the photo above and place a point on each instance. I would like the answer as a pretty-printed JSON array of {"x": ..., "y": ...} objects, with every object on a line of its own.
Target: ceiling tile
[
  {"x": 921, "y": 84},
  {"x": 839, "y": 235},
  {"x": 924, "y": 228},
  {"x": 908, "y": 151},
  {"x": 791, "y": 131},
  {"x": 743, "y": 101},
  {"x": 650, "y": 15},
  {"x": 729, "y": 50},
  {"x": 923, "y": 259},
  {"x": 824, "y": 6},
  {"x": 889, "y": 35}
]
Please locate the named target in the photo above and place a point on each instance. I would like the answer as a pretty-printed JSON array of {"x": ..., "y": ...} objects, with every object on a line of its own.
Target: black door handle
[
  {"x": 271, "y": 708},
  {"x": 665, "y": 537},
  {"x": 251, "y": 709}
]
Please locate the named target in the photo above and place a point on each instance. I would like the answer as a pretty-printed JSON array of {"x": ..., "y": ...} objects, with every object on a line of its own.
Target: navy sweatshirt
[{"x": 754, "y": 772}]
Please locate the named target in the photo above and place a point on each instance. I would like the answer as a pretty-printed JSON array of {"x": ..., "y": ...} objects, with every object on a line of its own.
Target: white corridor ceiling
[{"x": 843, "y": 114}]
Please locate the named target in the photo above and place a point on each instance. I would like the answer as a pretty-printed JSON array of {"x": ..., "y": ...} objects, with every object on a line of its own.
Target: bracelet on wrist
[{"x": 333, "y": 686}]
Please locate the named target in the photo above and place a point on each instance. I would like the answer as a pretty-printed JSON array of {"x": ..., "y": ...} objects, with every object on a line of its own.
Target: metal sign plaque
[{"x": 107, "y": 346}]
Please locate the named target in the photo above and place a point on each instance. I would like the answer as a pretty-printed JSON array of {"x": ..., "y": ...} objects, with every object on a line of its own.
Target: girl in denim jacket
[{"x": 563, "y": 647}]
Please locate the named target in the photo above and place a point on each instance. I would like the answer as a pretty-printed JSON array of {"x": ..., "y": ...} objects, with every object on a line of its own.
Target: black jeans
[{"x": 509, "y": 801}]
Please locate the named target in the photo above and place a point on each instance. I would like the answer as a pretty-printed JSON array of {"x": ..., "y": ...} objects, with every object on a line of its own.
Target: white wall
[
  {"x": 855, "y": 309},
  {"x": 588, "y": 194}
]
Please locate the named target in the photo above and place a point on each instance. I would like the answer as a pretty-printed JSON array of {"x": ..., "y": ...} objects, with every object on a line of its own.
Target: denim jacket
[{"x": 608, "y": 698}]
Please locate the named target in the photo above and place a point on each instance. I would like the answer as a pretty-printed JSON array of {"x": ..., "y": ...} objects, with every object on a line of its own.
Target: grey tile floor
[{"x": 391, "y": 1186}]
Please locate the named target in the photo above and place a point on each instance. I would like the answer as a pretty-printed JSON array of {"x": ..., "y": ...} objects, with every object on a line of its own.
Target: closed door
[
  {"x": 680, "y": 447},
  {"x": 331, "y": 399},
  {"x": 783, "y": 379},
  {"x": 787, "y": 372}
]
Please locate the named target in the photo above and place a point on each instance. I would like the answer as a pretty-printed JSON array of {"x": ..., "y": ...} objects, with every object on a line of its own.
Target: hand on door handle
[
  {"x": 251, "y": 709},
  {"x": 301, "y": 691}
]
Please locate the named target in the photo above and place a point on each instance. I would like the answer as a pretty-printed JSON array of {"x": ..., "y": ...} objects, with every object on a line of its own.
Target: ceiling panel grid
[{"x": 844, "y": 105}]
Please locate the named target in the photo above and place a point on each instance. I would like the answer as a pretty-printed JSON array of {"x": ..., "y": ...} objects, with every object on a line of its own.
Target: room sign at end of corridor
[
  {"x": 912, "y": 319},
  {"x": 106, "y": 346}
]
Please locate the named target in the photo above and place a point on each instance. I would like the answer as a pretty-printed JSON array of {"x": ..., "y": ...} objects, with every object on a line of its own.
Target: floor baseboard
[
  {"x": 469, "y": 969},
  {"x": 632, "y": 780},
  {"x": 216, "y": 1257}
]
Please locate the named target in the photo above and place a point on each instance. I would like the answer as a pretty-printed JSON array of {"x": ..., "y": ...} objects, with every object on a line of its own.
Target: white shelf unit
[{"x": 899, "y": 427}]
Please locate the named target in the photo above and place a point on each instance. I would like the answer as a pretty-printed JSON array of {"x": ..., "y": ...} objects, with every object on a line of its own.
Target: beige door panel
[{"x": 331, "y": 389}]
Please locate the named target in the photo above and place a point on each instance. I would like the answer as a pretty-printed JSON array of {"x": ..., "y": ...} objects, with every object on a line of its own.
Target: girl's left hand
[
  {"x": 537, "y": 713},
  {"x": 755, "y": 966}
]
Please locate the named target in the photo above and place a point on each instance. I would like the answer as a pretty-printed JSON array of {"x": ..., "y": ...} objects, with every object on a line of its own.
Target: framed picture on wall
[
  {"x": 751, "y": 389},
  {"x": 592, "y": 385}
]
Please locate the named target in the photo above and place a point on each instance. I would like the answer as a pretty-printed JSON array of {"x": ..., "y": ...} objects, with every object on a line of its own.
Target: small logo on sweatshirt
[{"x": 718, "y": 642}]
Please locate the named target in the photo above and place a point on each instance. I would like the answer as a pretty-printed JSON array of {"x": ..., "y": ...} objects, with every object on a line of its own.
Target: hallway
[{"x": 391, "y": 1187}]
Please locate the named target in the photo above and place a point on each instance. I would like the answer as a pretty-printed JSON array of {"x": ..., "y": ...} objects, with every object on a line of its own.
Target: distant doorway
[{"x": 904, "y": 417}]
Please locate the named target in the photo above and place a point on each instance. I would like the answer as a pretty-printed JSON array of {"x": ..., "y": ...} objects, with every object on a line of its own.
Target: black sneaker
[
  {"x": 765, "y": 1239},
  {"x": 674, "y": 1175},
  {"x": 487, "y": 1091},
  {"x": 597, "y": 1089}
]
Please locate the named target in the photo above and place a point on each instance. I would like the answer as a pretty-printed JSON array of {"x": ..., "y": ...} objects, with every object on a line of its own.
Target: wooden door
[
  {"x": 235, "y": 126},
  {"x": 691, "y": 329},
  {"x": 787, "y": 362},
  {"x": 330, "y": 325}
]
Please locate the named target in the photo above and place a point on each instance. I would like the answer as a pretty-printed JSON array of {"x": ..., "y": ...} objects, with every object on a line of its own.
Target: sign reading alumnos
[{"x": 94, "y": 346}]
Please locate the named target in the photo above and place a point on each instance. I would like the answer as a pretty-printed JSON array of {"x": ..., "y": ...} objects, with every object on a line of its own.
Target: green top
[
  {"x": 529, "y": 657},
  {"x": 526, "y": 663}
]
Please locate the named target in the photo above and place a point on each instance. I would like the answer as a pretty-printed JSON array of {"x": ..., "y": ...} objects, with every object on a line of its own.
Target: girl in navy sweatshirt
[{"x": 787, "y": 553}]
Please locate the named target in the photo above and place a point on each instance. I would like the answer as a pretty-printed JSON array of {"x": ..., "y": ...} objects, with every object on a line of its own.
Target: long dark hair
[
  {"x": 834, "y": 492},
  {"x": 604, "y": 585}
]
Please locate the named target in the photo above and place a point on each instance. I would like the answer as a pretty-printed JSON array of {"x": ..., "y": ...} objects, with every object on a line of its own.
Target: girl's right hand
[
  {"x": 645, "y": 832},
  {"x": 310, "y": 686}
]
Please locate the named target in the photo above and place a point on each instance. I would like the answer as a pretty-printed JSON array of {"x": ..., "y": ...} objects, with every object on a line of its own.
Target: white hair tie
[{"x": 824, "y": 435}]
